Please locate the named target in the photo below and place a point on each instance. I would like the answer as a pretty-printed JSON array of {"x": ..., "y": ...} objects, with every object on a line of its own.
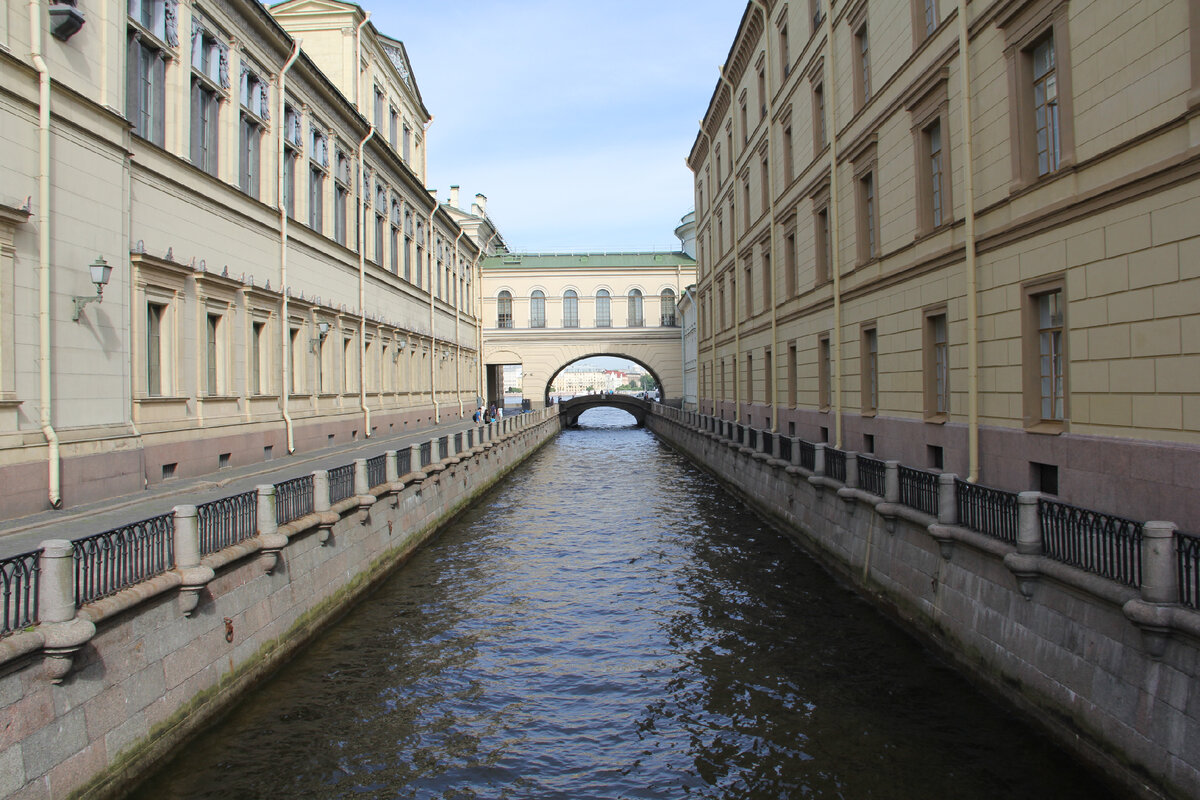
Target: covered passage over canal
[{"x": 609, "y": 623}]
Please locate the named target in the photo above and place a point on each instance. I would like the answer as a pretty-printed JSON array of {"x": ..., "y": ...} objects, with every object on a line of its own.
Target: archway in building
[{"x": 653, "y": 373}]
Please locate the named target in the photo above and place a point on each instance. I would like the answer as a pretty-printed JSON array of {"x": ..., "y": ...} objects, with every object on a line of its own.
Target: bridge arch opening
[{"x": 606, "y": 357}]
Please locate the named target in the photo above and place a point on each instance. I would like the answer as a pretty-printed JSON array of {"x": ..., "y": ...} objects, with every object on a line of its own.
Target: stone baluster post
[
  {"x": 187, "y": 559},
  {"x": 818, "y": 459},
  {"x": 268, "y": 530},
  {"x": 891, "y": 481},
  {"x": 63, "y": 634},
  {"x": 320, "y": 490},
  {"x": 391, "y": 466},
  {"x": 1160, "y": 569},
  {"x": 1029, "y": 527},
  {"x": 947, "y": 499},
  {"x": 362, "y": 483},
  {"x": 851, "y": 469}
]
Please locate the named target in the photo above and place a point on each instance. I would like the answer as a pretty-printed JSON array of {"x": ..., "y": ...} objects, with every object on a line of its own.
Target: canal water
[{"x": 609, "y": 623}]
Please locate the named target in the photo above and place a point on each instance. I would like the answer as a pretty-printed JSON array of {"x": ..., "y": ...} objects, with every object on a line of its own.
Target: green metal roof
[{"x": 587, "y": 260}]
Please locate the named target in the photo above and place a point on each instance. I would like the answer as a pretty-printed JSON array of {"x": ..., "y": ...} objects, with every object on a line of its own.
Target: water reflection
[{"x": 609, "y": 624}]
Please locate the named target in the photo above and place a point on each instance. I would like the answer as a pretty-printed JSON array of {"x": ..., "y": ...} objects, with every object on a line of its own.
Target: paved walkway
[{"x": 27, "y": 533}]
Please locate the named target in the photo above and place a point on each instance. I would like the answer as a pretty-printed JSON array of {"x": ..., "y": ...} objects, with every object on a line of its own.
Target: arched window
[
  {"x": 504, "y": 310},
  {"x": 634, "y": 314},
  {"x": 570, "y": 309},
  {"x": 537, "y": 309},
  {"x": 667, "y": 304},
  {"x": 603, "y": 309}
]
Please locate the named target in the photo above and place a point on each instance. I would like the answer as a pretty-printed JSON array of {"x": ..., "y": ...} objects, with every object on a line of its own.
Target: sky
[{"x": 574, "y": 117}]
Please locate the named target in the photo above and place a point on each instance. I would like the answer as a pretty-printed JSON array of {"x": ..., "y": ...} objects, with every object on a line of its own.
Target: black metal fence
[
  {"x": 293, "y": 499},
  {"x": 19, "y": 591},
  {"x": 785, "y": 448},
  {"x": 458, "y": 442},
  {"x": 108, "y": 562},
  {"x": 808, "y": 455},
  {"x": 872, "y": 475},
  {"x": 751, "y": 438},
  {"x": 992, "y": 512},
  {"x": 444, "y": 446},
  {"x": 919, "y": 489},
  {"x": 227, "y": 521},
  {"x": 341, "y": 483},
  {"x": 1100, "y": 543},
  {"x": 404, "y": 461},
  {"x": 1187, "y": 547},
  {"x": 377, "y": 470},
  {"x": 768, "y": 442},
  {"x": 426, "y": 454},
  {"x": 835, "y": 464}
]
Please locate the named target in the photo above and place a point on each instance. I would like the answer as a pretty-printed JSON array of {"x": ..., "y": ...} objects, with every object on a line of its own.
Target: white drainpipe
[
  {"x": 284, "y": 327},
  {"x": 43, "y": 216},
  {"x": 457, "y": 334},
  {"x": 964, "y": 61},
  {"x": 437, "y": 417}
]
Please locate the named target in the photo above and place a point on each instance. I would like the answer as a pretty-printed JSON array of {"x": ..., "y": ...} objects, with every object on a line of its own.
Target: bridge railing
[{"x": 1103, "y": 544}]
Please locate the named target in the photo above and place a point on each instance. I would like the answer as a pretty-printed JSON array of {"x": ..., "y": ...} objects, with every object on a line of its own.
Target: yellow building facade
[
  {"x": 281, "y": 279},
  {"x": 987, "y": 265}
]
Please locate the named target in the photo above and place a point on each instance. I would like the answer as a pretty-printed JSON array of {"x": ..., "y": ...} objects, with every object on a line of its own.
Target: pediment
[{"x": 297, "y": 8}]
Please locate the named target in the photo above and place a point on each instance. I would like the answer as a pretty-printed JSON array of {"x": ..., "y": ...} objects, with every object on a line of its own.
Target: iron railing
[
  {"x": 919, "y": 489},
  {"x": 808, "y": 455},
  {"x": 108, "y": 562},
  {"x": 404, "y": 461},
  {"x": 227, "y": 521},
  {"x": 444, "y": 446},
  {"x": 458, "y": 442},
  {"x": 426, "y": 454},
  {"x": 872, "y": 475},
  {"x": 752, "y": 438},
  {"x": 377, "y": 470},
  {"x": 341, "y": 483},
  {"x": 19, "y": 591},
  {"x": 990, "y": 511},
  {"x": 293, "y": 499},
  {"x": 739, "y": 434},
  {"x": 835, "y": 464},
  {"x": 768, "y": 442},
  {"x": 1187, "y": 547},
  {"x": 785, "y": 448},
  {"x": 1101, "y": 543}
]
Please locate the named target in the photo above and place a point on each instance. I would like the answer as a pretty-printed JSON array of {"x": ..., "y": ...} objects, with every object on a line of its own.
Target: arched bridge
[{"x": 571, "y": 409}]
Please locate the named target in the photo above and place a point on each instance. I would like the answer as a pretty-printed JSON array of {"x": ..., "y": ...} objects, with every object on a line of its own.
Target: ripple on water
[{"x": 608, "y": 624}]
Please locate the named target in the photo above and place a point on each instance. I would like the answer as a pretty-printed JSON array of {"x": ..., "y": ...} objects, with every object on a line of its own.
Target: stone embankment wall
[
  {"x": 95, "y": 697},
  {"x": 1108, "y": 668}
]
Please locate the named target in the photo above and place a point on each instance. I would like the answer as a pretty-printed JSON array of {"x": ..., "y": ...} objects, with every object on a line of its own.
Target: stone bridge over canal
[{"x": 571, "y": 409}]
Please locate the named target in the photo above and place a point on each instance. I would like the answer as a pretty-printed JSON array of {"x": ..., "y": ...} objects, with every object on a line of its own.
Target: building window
[
  {"x": 936, "y": 173},
  {"x": 785, "y": 51},
  {"x": 666, "y": 302},
  {"x": 862, "y": 65},
  {"x": 824, "y": 373},
  {"x": 156, "y": 314},
  {"x": 765, "y": 249},
  {"x": 745, "y": 131},
  {"x": 255, "y": 105},
  {"x": 748, "y": 288},
  {"x": 791, "y": 279},
  {"x": 419, "y": 267},
  {"x": 924, "y": 20},
  {"x": 791, "y": 375},
  {"x": 408, "y": 245},
  {"x": 151, "y": 32},
  {"x": 603, "y": 309},
  {"x": 870, "y": 370},
  {"x": 380, "y": 102},
  {"x": 816, "y": 10},
  {"x": 768, "y": 378},
  {"x": 210, "y": 75},
  {"x": 1040, "y": 101},
  {"x": 258, "y": 357},
  {"x": 570, "y": 309},
  {"x": 1045, "y": 106},
  {"x": 721, "y": 304},
  {"x": 746, "y": 216},
  {"x": 213, "y": 349},
  {"x": 394, "y": 128},
  {"x": 937, "y": 365},
  {"x": 537, "y": 309},
  {"x": 789, "y": 155},
  {"x": 396, "y": 238},
  {"x": 341, "y": 193},
  {"x": 824, "y": 244},
  {"x": 1043, "y": 354},
  {"x": 820, "y": 137},
  {"x": 295, "y": 363},
  {"x": 867, "y": 220},
  {"x": 634, "y": 312},
  {"x": 504, "y": 317},
  {"x": 347, "y": 365},
  {"x": 407, "y": 144},
  {"x": 749, "y": 399},
  {"x": 318, "y": 166},
  {"x": 762, "y": 93}
]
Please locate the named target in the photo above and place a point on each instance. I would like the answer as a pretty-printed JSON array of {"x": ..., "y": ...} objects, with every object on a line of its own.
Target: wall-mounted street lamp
[
  {"x": 322, "y": 332},
  {"x": 65, "y": 19},
  {"x": 100, "y": 270}
]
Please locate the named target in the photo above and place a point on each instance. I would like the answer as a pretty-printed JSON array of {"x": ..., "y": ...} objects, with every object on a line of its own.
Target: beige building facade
[
  {"x": 987, "y": 265},
  {"x": 547, "y": 311},
  {"x": 280, "y": 280}
]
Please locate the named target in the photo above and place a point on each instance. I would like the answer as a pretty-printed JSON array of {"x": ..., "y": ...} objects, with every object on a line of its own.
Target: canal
[{"x": 609, "y": 623}]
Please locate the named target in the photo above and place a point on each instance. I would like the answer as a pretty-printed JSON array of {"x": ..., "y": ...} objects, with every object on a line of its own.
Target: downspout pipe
[
  {"x": 457, "y": 334},
  {"x": 437, "y": 416},
  {"x": 358, "y": 61},
  {"x": 969, "y": 230},
  {"x": 712, "y": 322},
  {"x": 834, "y": 234},
  {"x": 771, "y": 382},
  {"x": 362, "y": 283},
  {"x": 477, "y": 270},
  {"x": 735, "y": 284},
  {"x": 284, "y": 327},
  {"x": 53, "y": 455}
]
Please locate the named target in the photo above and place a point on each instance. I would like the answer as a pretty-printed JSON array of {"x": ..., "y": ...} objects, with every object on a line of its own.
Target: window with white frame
[
  {"x": 341, "y": 193},
  {"x": 152, "y": 33},
  {"x": 210, "y": 79},
  {"x": 634, "y": 318},
  {"x": 255, "y": 112},
  {"x": 396, "y": 238},
  {"x": 318, "y": 169},
  {"x": 380, "y": 221},
  {"x": 537, "y": 309},
  {"x": 603, "y": 309},
  {"x": 666, "y": 301},
  {"x": 570, "y": 309}
]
